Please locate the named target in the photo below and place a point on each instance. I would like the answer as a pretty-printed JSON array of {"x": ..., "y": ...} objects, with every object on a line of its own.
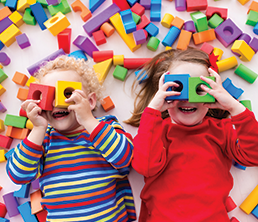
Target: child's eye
[
  {"x": 200, "y": 91},
  {"x": 68, "y": 92}
]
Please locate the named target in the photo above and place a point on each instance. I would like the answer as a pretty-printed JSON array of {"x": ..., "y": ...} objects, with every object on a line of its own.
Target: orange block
[
  {"x": 253, "y": 6},
  {"x": 204, "y": 36},
  {"x": 35, "y": 199},
  {"x": 178, "y": 22},
  {"x": 184, "y": 39},
  {"x": 5, "y": 12},
  {"x": 20, "y": 78},
  {"x": 17, "y": 133},
  {"x": 107, "y": 29},
  {"x": 79, "y": 6},
  {"x": 107, "y": 104},
  {"x": 22, "y": 94}
]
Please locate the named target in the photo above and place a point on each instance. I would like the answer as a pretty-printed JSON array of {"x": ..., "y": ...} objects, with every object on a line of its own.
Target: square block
[
  {"x": 22, "y": 94},
  {"x": 2, "y": 156},
  {"x": 194, "y": 97},
  {"x": 107, "y": 104},
  {"x": 5, "y": 141},
  {"x": 20, "y": 78},
  {"x": 120, "y": 73},
  {"x": 3, "y": 75}
]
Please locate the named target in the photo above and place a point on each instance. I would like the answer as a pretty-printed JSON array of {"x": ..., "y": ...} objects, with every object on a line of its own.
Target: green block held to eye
[{"x": 194, "y": 97}]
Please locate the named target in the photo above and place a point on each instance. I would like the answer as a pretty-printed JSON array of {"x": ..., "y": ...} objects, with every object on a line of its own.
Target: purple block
[
  {"x": 2, "y": 108},
  {"x": 139, "y": 37},
  {"x": 94, "y": 24},
  {"x": 85, "y": 44},
  {"x": 180, "y": 5},
  {"x": 35, "y": 67},
  {"x": 23, "y": 41},
  {"x": 4, "y": 59},
  {"x": 11, "y": 204},
  {"x": 189, "y": 26},
  {"x": 245, "y": 37},
  {"x": 52, "y": 2},
  {"x": 227, "y": 32},
  {"x": 35, "y": 184},
  {"x": 254, "y": 44},
  {"x": 146, "y": 4},
  {"x": 5, "y": 23}
]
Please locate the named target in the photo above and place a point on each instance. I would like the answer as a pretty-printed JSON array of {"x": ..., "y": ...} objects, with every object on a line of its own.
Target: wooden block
[
  {"x": 35, "y": 199},
  {"x": 22, "y": 94},
  {"x": 107, "y": 104},
  {"x": 20, "y": 78},
  {"x": 17, "y": 133}
]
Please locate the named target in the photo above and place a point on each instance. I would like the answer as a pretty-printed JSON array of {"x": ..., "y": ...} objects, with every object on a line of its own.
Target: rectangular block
[{"x": 17, "y": 121}]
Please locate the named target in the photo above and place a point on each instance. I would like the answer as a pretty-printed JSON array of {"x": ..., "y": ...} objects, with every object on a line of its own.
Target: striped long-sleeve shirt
[{"x": 83, "y": 176}]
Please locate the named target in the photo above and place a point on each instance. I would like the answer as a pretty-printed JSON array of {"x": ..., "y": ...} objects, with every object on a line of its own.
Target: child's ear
[{"x": 92, "y": 100}]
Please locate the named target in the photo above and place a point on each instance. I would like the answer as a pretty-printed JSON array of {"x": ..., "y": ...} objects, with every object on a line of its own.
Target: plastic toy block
[
  {"x": 230, "y": 204},
  {"x": 118, "y": 60},
  {"x": 128, "y": 22},
  {"x": 233, "y": 219},
  {"x": 77, "y": 5},
  {"x": 25, "y": 211},
  {"x": 255, "y": 30},
  {"x": 2, "y": 89},
  {"x": 254, "y": 44},
  {"x": 31, "y": 80},
  {"x": 35, "y": 67},
  {"x": 9, "y": 153},
  {"x": 180, "y": 5},
  {"x": 79, "y": 54},
  {"x": 11, "y": 204},
  {"x": 4, "y": 59},
  {"x": 23, "y": 40},
  {"x": 42, "y": 216},
  {"x": 28, "y": 18},
  {"x": 135, "y": 63},
  {"x": 155, "y": 11},
  {"x": 255, "y": 212},
  {"x": 4, "y": 12},
  {"x": 5, "y": 23},
  {"x": 22, "y": 94},
  {"x": 152, "y": 29},
  {"x": 171, "y": 36},
  {"x": 3, "y": 210},
  {"x": 99, "y": 56},
  {"x": 136, "y": 18},
  {"x": 194, "y": 97},
  {"x": 2, "y": 157},
  {"x": 122, "y": 4},
  {"x": 16, "y": 18},
  {"x": 44, "y": 93},
  {"x": 153, "y": 43},
  {"x": 22, "y": 113},
  {"x": 189, "y": 26},
  {"x": 243, "y": 2},
  {"x": 63, "y": 91},
  {"x": 8, "y": 35},
  {"x": 200, "y": 21},
  {"x": 141, "y": 76},
  {"x": 120, "y": 73},
  {"x": 222, "y": 12},
  {"x": 107, "y": 29},
  {"x": 242, "y": 48},
  {"x": 99, "y": 37},
  {"x": 252, "y": 18},
  {"x": 253, "y": 6},
  {"x": 250, "y": 202},
  {"x": 232, "y": 90},
  {"x": 2, "y": 128},
  {"x": 35, "y": 184},
  {"x": 16, "y": 121},
  {"x": 227, "y": 63},
  {"x": 5, "y": 141},
  {"x": 23, "y": 4},
  {"x": 107, "y": 104},
  {"x": 36, "y": 198},
  {"x": 146, "y": 4},
  {"x": 138, "y": 9},
  {"x": 23, "y": 192},
  {"x": 144, "y": 22},
  {"x": 196, "y": 5},
  {"x": 39, "y": 14},
  {"x": 206, "y": 47},
  {"x": 132, "y": 2},
  {"x": 128, "y": 38},
  {"x": 11, "y": 4},
  {"x": 85, "y": 44},
  {"x": 3, "y": 76},
  {"x": 167, "y": 20},
  {"x": 29, "y": 125},
  {"x": 139, "y": 37},
  {"x": 246, "y": 73},
  {"x": 178, "y": 22},
  {"x": 204, "y": 36},
  {"x": 52, "y": 2},
  {"x": 184, "y": 40},
  {"x": 64, "y": 40},
  {"x": 63, "y": 7},
  {"x": 247, "y": 104},
  {"x": 245, "y": 37},
  {"x": 4, "y": 220},
  {"x": 94, "y": 24},
  {"x": 183, "y": 81},
  {"x": 227, "y": 32},
  {"x": 2, "y": 108},
  {"x": 218, "y": 52},
  {"x": 102, "y": 68},
  {"x": 237, "y": 165},
  {"x": 94, "y": 4},
  {"x": 215, "y": 21}
]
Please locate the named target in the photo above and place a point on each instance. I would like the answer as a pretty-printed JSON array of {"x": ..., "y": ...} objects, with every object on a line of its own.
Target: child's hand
[
  {"x": 223, "y": 99},
  {"x": 159, "y": 102}
]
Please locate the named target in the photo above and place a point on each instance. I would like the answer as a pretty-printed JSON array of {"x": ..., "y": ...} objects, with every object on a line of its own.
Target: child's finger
[
  {"x": 209, "y": 81},
  {"x": 75, "y": 97},
  {"x": 161, "y": 80},
  {"x": 215, "y": 74},
  {"x": 166, "y": 85}
]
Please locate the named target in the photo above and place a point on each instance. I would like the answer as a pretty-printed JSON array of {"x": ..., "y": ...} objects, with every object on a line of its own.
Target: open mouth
[
  {"x": 60, "y": 114},
  {"x": 187, "y": 110}
]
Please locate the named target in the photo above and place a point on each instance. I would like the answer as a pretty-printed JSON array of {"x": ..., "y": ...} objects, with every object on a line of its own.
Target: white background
[{"x": 43, "y": 43}]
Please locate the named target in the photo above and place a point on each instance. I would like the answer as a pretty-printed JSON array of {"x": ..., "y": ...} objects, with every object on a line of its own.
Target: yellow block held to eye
[{"x": 64, "y": 90}]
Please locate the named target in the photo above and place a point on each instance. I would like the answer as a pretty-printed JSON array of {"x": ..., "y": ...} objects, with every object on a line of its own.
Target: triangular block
[
  {"x": 94, "y": 4},
  {"x": 102, "y": 69}
]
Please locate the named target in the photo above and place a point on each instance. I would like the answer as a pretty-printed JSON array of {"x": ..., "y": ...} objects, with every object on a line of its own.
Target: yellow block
[
  {"x": 166, "y": 20},
  {"x": 31, "y": 80},
  {"x": 23, "y": 4},
  {"x": 128, "y": 38},
  {"x": 118, "y": 60},
  {"x": 29, "y": 124},
  {"x": 57, "y": 23},
  {"x": 243, "y": 49},
  {"x": 2, "y": 89},
  {"x": 243, "y": 1},
  {"x": 16, "y": 18},
  {"x": 8, "y": 35},
  {"x": 63, "y": 91},
  {"x": 1, "y": 125},
  {"x": 168, "y": 48},
  {"x": 227, "y": 63},
  {"x": 2, "y": 157},
  {"x": 102, "y": 68},
  {"x": 218, "y": 52},
  {"x": 250, "y": 202}
]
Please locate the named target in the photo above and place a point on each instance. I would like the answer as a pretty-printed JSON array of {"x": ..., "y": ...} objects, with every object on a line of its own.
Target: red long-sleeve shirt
[{"x": 187, "y": 169}]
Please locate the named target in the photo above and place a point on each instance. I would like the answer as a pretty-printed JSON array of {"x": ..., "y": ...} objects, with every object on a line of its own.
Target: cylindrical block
[
  {"x": 167, "y": 19},
  {"x": 180, "y": 5},
  {"x": 247, "y": 103},
  {"x": 29, "y": 124},
  {"x": 246, "y": 73},
  {"x": 107, "y": 29},
  {"x": 4, "y": 59},
  {"x": 11, "y": 204},
  {"x": 118, "y": 60},
  {"x": 171, "y": 36},
  {"x": 189, "y": 26},
  {"x": 153, "y": 43},
  {"x": 218, "y": 52},
  {"x": 245, "y": 37},
  {"x": 99, "y": 56},
  {"x": 255, "y": 30},
  {"x": 135, "y": 63},
  {"x": 226, "y": 64},
  {"x": 250, "y": 202}
]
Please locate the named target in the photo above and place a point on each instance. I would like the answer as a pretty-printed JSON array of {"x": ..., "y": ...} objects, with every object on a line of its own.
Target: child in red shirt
[{"x": 184, "y": 153}]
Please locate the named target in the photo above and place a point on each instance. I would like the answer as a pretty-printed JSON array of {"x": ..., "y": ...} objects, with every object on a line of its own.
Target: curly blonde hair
[{"x": 89, "y": 78}]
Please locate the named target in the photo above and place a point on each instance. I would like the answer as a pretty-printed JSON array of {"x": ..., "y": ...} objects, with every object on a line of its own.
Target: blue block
[
  {"x": 155, "y": 11},
  {"x": 171, "y": 36},
  {"x": 132, "y": 2},
  {"x": 255, "y": 30},
  {"x": 239, "y": 166},
  {"x": 11, "y": 4},
  {"x": 23, "y": 192},
  {"x": 1, "y": 45},
  {"x": 3, "y": 220},
  {"x": 25, "y": 211},
  {"x": 128, "y": 21},
  {"x": 39, "y": 14},
  {"x": 232, "y": 90},
  {"x": 9, "y": 153},
  {"x": 141, "y": 77},
  {"x": 79, "y": 54},
  {"x": 152, "y": 29},
  {"x": 255, "y": 211},
  {"x": 183, "y": 81},
  {"x": 94, "y": 4}
]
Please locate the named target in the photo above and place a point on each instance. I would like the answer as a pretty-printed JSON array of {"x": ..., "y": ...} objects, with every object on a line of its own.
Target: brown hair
[{"x": 154, "y": 70}]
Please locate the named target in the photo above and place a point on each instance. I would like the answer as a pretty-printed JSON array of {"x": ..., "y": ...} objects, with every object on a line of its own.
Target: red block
[
  {"x": 230, "y": 204},
  {"x": 3, "y": 210},
  {"x": 233, "y": 219},
  {"x": 46, "y": 95},
  {"x": 99, "y": 37},
  {"x": 222, "y": 12},
  {"x": 42, "y": 216},
  {"x": 122, "y": 4},
  {"x": 22, "y": 112},
  {"x": 99, "y": 56},
  {"x": 206, "y": 47},
  {"x": 138, "y": 9},
  {"x": 5, "y": 141},
  {"x": 196, "y": 5},
  {"x": 64, "y": 40},
  {"x": 135, "y": 63},
  {"x": 144, "y": 22}
]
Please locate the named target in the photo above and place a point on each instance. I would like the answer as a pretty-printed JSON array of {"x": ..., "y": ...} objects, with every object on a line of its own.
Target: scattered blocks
[
  {"x": 52, "y": 2},
  {"x": 189, "y": 26},
  {"x": 63, "y": 7},
  {"x": 7, "y": 37},
  {"x": 180, "y": 5},
  {"x": 99, "y": 37},
  {"x": 23, "y": 4},
  {"x": 5, "y": 12},
  {"x": 222, "y": 12},
  {"x": 252, "y": 18},
  {"x": 39, "y": 14},
  {"x": 242, "y": 48},
  {"x": 120, "y": 73},
  {"x": 11, "y": 4},
  {"x": 102, "y": 68},
  {"x": 85, "y": 44},
  {"x": 23, "y": 41},
  {"x": 118, "y": 60},
  {"x": 77, "y": 5},
  {"x": 153, "y": 43},
  {"x": 253, "y": 6},
  {"x": 250, "y": 202},
  {"x": 107, "y": 104},
  {"x": 146, "y": 4},
  {"x": 246, "y": 73},
  {"x": 215, "y": 21},
  {"x": 9, "y": 153},
  {"x": 122, "y": 4},
  {"x": 144, "y": 22},
  {"x": 2, "y": 108},
  {"x": 2, "y": 128},
  {"x": 16, "y": 18},
  {"x": 232, "y": 90},
  {"x": 206, "y": 47},
  {"x": 11, "y": 204},
  {"x": 254, "y": 44},
  {"x": 178, "y": 22},
  {"x": 247, "y": 104},
  {"x": 28, "y": 18},
  {"x": 2, "y": 89},
  {"x": 64, "y": 40},
  {"x": 243, "y": 2},
  {"x": 31, "y": 80},
  {"x": 218, "y": 52}
]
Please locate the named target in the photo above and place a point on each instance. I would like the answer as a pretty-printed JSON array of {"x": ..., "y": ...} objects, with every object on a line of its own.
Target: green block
[
  {"x": 246, "y": 73},
  {"x": 200, "y": 21},
  {"x": 3, "y": 76},
  {"x": 194, "y": 97},
  {"x": 120, "y": 73},
  {"x": 63, "y": 7},
  {"x": 136, "y": 18},
  {"x": 16, "y": 121},
  {"x": 28, "y": 18},
  {"x": 247, "y": 104},
  {"x": 43, "y": 3},
  {"x": 215, "y": 21},
  {"x": 153, "y": 43},
  {"x": 252, "y": 18}
]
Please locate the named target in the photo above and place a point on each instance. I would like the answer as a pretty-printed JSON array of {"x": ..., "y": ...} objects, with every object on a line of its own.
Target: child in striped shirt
[{"x": 82, "y": 162}]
